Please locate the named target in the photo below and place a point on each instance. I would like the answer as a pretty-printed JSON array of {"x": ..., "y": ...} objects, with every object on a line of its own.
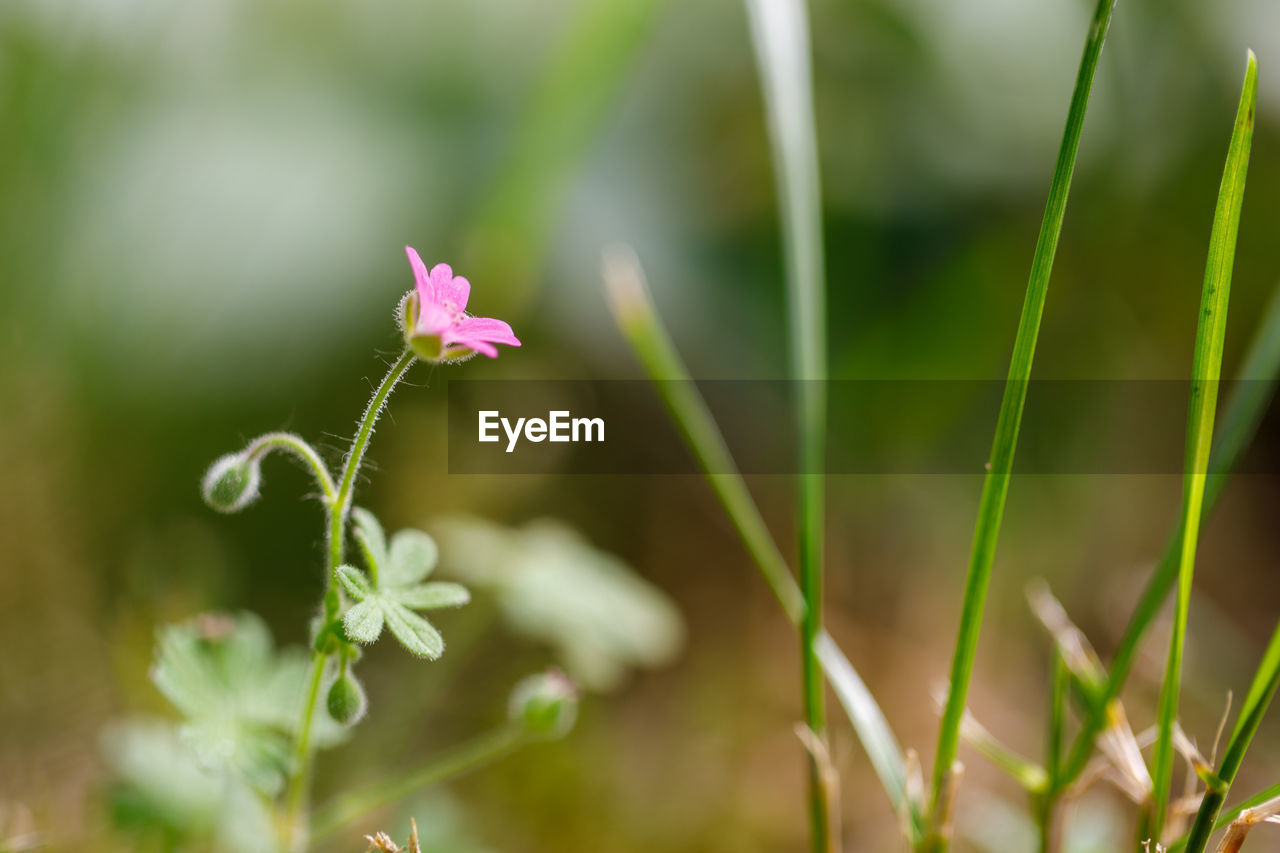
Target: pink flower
[{"x": 435, "y": 320}]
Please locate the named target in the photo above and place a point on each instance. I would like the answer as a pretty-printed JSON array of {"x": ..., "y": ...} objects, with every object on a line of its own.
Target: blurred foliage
[
  {"x": 552, "y": 586},
  {"x": 202, "y": 205}
]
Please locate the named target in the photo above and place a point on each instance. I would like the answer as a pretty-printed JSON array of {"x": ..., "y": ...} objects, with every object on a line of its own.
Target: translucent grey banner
[{"x": 916, "y": 427}]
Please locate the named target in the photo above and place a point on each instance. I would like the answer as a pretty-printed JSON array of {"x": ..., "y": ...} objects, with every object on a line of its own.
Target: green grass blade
[
  {"x": 1261, "y": 692},
  {"x": 1059, "y": 694},
  {"x": 996, "y": 485},
  {"x": 634, "y": 312},
  {"x": 1232, "y": 813},
  {"x": 1206, "y": 369},
  {"x": 633, "y": 309},
  {"x": 1060, "y": 687},
  {"x": 873, "y": 730},
  {"x": 1244, "y": 410},
  {"x": 780, "y": 36}
]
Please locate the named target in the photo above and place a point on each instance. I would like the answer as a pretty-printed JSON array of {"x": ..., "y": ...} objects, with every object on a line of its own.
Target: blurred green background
[{"x": 202, "y": 211}]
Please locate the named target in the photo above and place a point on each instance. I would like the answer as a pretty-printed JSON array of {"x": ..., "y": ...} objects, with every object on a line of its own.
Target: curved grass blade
[
  {"x": 634, "y": 312},
  {"x": 996, "y": 485},
  {"x": 638, "y": 320},
  {"x": 1206, "y": 369},
  {"x": 873, "y": 730}
]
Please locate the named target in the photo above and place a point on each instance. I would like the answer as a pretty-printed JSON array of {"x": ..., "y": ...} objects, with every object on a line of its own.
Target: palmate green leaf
[
  {"x": 391, "y": 591},
  {"x": 240, "y": 698},
  {"x": 414, "y": 633}
]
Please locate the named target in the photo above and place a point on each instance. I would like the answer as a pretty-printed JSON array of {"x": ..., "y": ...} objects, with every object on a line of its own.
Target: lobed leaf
[
  {"x": 414, "y": 633},
  {"x": 413, "y": 556},
  {"x": 363, "y": 621},
  {"x": 431, "y": 596},
  {"x": 355, "y": 582}
]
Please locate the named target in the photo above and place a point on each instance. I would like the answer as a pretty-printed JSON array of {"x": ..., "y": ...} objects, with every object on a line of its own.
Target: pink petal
[
  {"x": 479, "y": 346},
  {"x": 433, "y": 319},
  {"x": 420, "y": 276},
  {"x": 441, "y": 276},
  {"x": 456, "y": 293},
  {"x": 485, "y": 329}
]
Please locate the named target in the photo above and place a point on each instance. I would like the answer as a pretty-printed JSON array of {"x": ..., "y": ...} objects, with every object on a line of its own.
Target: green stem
[
  {"x": 780, "y": 36},
  {"x": 460, "y": 759},
  {"x": 638, "y": 320},
  {"x": 1241, "y": 417},
  {"x": 996, "y": 485},
  {"x": 1206, "y": 370},
  {"x": 633, "y": 309},
  {"x": 342, "y": 503},
  {"x": 296, "y": 445},
  {"x": 1261, "y": 692},
  {"x": 1047, "y": 801},
  {"x": 296, "y": 793},
  {"x": 1224, "y": 820},
  {"x": 339, "y": 508}
]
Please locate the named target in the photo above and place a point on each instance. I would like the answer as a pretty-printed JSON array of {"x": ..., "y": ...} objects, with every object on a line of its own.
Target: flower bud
[
  {"x": 546, "y": 704},
  {"x": 347, "y": 702},
  {"x": 231, "y": 483}
]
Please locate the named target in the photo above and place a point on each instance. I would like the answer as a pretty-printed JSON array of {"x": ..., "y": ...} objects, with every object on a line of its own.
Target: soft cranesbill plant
[{"x": 254, "y": 716}]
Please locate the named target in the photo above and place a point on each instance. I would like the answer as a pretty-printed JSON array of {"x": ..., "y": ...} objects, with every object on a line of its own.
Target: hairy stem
[
  {"x": 296, "y": 445},
  {"x": 299, "y": 781},
  {"x": 342, "y": 503}
]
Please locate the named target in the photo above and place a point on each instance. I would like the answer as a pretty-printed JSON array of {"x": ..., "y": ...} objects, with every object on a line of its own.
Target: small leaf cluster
[{"x": 394, "y": 589}]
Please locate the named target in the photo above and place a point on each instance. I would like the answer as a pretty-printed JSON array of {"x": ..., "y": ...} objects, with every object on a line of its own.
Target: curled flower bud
[
  {"x": 546, "y": 704},
  {"x": 231, "y": 483},
  {"x": 347, "y": 702},
  {"x": 434, "y": 321}
]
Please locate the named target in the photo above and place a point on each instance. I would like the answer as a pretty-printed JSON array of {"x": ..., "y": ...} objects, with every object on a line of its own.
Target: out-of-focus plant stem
[
  {"x": 460, "y": 759},
  {"x": 638, "y": 319},
  {"x": 780, "y": 36},
  {"x": 1000, "y": 467}
]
